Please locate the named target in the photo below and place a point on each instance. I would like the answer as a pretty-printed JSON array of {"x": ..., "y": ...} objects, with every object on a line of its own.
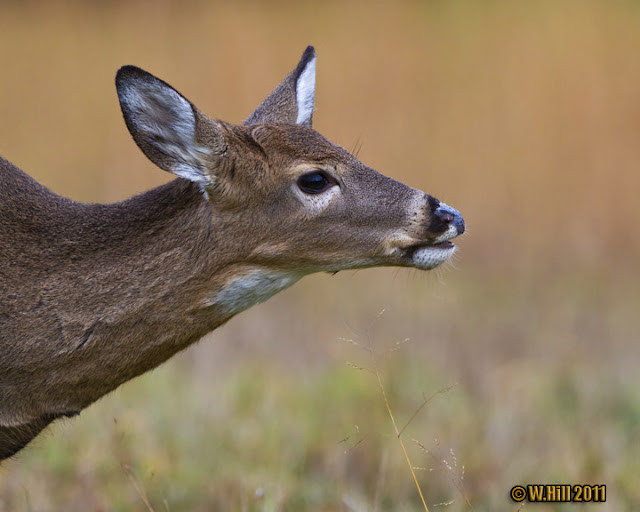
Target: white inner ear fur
[
  {"x": 166, "y": 120},
  {"x": 305, "y": 91}
]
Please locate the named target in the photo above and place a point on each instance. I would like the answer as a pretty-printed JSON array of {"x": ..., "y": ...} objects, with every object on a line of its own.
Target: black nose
[{"x": 445, "y": 216}]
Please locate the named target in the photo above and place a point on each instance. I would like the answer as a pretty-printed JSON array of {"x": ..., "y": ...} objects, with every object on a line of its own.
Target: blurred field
[{"x": 524, "y": 116}]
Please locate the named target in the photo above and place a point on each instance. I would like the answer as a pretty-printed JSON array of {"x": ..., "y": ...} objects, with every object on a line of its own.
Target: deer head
[{"x": 293, "y": 203}]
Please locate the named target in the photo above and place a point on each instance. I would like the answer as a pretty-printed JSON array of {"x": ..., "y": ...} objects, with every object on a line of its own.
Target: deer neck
[
  {"x": 120, "y": 289},
  {"x": 176, "y": 263}
]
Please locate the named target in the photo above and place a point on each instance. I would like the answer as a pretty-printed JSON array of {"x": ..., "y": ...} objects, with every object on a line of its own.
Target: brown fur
[{"x": 92, "y": 295}]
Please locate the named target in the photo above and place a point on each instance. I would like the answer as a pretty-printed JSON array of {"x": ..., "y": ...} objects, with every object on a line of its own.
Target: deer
[{"x": 93, "y": 295}]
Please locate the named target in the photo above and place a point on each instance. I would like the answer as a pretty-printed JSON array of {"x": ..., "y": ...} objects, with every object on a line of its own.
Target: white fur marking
[
  {"x": 317, "y": 203},
  {"x": 450, "y": 233},
  {"x": 305, "y": 91},
  {"x": 250, "y": 288},
  {"x": 427, "y": 258}
]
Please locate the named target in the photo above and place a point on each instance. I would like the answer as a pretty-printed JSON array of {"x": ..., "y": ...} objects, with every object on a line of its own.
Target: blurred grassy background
[{"x": 523, "y": 115}]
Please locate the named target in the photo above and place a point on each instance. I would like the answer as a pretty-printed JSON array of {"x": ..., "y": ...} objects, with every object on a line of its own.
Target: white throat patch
[{"x": 250, "y": 288}]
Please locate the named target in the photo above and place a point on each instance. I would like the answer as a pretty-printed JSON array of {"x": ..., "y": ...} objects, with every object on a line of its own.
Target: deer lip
[
  {"x": 426, "y": 256},
  {"x": 442, "y": 245},
  {"x": 446, "y": 245}
]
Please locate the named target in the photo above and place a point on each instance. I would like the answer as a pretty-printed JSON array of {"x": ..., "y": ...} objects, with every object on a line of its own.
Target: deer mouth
[{"x": 426, "y": 256}]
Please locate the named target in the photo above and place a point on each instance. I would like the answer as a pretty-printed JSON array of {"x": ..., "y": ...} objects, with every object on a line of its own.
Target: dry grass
[{"x": 525, "y": 116}]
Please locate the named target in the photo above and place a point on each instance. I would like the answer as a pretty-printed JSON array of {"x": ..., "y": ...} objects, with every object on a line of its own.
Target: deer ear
[
  {"x": 292, "y": 100},
  {"x": 163, "y": 124}
]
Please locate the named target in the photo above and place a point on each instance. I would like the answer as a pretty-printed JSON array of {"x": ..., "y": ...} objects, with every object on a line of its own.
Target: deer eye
[{"x": 315, "y": 182}]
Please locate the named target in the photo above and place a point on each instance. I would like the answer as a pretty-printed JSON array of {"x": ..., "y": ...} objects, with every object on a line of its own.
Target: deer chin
[{"x": 428, "y": 256}]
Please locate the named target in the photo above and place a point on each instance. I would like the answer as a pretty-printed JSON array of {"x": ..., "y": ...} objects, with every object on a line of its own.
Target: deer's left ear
[{"x": 292, "y": 100}]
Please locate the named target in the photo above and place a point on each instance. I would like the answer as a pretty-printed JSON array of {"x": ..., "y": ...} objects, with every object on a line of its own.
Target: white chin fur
[{"x": 427, "y": 258}]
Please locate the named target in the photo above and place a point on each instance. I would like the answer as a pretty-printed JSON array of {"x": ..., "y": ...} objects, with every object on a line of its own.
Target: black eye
[{"x": 315, "y": 182}]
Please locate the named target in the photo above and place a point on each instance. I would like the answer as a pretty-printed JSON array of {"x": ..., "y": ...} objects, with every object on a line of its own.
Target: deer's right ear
[
  {"x": 163, "y": 124},
  {"x": 292, "y": 100}
]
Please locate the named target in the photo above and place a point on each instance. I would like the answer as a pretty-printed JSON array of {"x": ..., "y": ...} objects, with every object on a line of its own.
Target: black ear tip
[
  {"x": 123, "y": 73},
  {"x": 127, "y": 73},
  {"x": 308, "y": 54}
]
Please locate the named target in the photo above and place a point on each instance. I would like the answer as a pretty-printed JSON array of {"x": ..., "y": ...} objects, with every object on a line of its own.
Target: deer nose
[{"x": 446, "y": 216}]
